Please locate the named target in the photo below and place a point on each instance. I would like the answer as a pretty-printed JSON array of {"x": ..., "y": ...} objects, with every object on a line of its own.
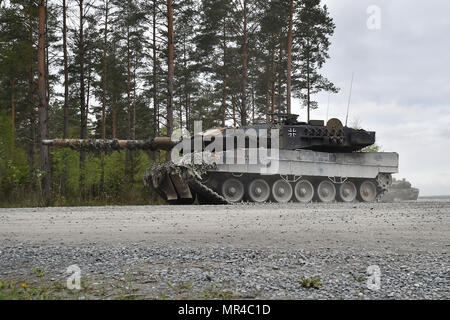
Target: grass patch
[
  {"x": 359, "y": 279},
  {"x": 39, "y": 272},
  {"x": 184, "y": 290},
  {"x": 219, "y": 292},
  {"x": 311, "y": 283},
  {"x": 10, "y": 290},
  {"x": 180, "y": 287}
]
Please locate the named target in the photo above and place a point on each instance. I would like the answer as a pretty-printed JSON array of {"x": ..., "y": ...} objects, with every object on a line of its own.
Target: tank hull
[
  {"x": 310, "y": 163},
  {"x": 207, "y": 175}
]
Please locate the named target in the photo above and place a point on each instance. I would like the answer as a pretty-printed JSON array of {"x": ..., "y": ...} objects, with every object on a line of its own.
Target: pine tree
[
  {"x": 313, "y": 29},
  {"x": 128, "y": 19},
  {"x": 247, "y": 17},
  {"x": 186, "y": 72},
  {"x": 213, "y": 54}
]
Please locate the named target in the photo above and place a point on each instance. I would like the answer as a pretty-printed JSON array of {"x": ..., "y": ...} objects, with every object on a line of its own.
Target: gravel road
[{"x": 269, "y": 251}]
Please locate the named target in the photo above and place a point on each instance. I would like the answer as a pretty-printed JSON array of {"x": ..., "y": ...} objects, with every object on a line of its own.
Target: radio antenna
[{"x": 349, "y": 98}]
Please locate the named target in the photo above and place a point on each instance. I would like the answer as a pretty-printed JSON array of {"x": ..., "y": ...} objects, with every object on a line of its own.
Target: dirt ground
[{"x": 410, "y": 226}]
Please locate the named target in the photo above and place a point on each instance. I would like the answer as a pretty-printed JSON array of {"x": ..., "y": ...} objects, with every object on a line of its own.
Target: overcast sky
[{"x": 402, "y": 82}]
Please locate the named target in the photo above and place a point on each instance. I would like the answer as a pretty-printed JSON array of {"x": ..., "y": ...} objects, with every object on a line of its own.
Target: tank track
[
  {"x": 216, "y": 181},
  {"x": 206, "y": 195}
]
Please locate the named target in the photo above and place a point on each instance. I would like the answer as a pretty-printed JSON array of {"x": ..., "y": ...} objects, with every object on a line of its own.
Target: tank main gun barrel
[{"x": 159, "y": 143}]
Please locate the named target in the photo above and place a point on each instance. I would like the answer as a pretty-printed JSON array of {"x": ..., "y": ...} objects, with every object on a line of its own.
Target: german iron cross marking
[{"x": 292, "y": 133}]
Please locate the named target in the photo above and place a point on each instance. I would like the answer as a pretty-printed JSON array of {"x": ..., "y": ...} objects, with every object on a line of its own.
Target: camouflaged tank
[
  {"x": 400, "y": 190},
  {"x": 279, "y": 161}
]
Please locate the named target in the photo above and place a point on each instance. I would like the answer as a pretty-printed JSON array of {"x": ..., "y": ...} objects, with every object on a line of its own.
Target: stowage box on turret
[{"x": 280, "y": 161}]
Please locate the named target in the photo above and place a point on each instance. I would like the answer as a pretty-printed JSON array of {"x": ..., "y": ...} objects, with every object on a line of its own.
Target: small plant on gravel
[
  {"x": 59, "y": 286},
  {"x": 39, "y": 272},
  {"x": 180, "y": 287},
  {"x": 360, "y": 279},
  {"x": 129, "y": 283},
  {"x": 257, "y": 293},
  {"x": 23, "y": 291},
  {"x": 163, "y": 296},
  {"x": 220, "y": 293},
  {"x": 126, "y": 297},
  {"x": 36, "y": 293},
  {"x": 311, "y": 283},
  {"x": 8, "y": 290}
]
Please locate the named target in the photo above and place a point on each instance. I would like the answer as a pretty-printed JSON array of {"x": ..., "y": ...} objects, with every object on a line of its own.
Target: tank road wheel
[
  {"x": 326, "y": 191},
  {"x": 282, "y": 191},
  {"x": 304, "y": 191},
  {"x": 259, "y": 191},
  {"x": 367, "y": 191},
  {"x": 233, "y": 190},
  {"x": 347, "y": 192}
]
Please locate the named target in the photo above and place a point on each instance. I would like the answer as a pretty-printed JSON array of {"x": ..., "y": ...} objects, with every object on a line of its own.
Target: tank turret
[{"x": 318, "y": 136}]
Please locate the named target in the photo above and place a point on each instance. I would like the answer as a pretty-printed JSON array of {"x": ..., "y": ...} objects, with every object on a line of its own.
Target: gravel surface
[{"x": 220, "y": 252}]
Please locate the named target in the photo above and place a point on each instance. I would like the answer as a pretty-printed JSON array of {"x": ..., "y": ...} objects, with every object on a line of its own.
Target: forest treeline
[{"x": 139, "y": 69}]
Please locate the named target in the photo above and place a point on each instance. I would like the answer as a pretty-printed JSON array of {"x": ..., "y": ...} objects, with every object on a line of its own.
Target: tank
[
  {"x": 279, "y": 161},
  {"x": 400, "y": 190}
]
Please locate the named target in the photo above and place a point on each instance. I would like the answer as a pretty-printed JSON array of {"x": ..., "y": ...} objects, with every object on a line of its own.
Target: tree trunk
[
  {"x": 13, "y": 114},
  {"x": 128, "y": 76},
  {"x": 188, "y": 113},
  {"x": 268, "y": 100},
  {"x": 155, "y": 78},
  {"x": 155, "y": 91},
  {"x": 308, "y": 84},
  {"x": 224, "y": 102},
  {"x": 186, "y": 89},
  {"x": 88, "y": 91},
  {"x": 224, "y": 79},
  {"x": 244, "y": 70},
  {"x": 66, "y": 99},
  {"x": 32, "y": 148},
  {"x": 83, "y": 134},
  {"x": 273, "y": 85},
  {"x": 128, "y": 153},
  {"x": 234, "y": 112},
  {"x": 43, "y": 105},
  {"x": 280, "y": 68},
  {"x": 170, "y": 71},
  {"x": 253, "y": 101},
  {"x": 133, "y": 130},
  {"x": 289, "y": 56},
  {"x": 114, "y": 116},
  {"x": 47, "y": 60},
  {"x": 66, "y": 74},
  {"x": 105, "y": 69}
]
